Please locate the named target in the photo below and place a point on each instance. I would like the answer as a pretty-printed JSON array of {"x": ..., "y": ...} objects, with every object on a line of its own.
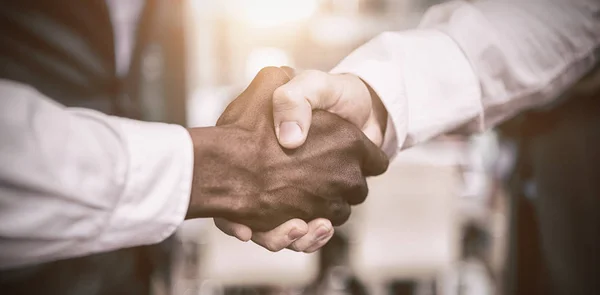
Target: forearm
[
  {"x": 77, "y": 182},
  {"x": 524, "y": 53},
  {"x": 471, "y": 66}
]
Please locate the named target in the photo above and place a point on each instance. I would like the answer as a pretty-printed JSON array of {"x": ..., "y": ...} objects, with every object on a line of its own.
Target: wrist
[
  {"x": 379, "y": 114},
  {"x": 379, "y": 110},
  {"x": 220, "y": 156}
]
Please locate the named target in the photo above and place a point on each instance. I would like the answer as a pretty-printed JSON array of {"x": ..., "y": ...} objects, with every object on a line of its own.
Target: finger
[
  {"x": 338, "y": 212},
  {"x": 375, "y": 161},
  {"x": 281, "y": 236},
  {"x": 293, "y": 104},
  {"x": 358, "y": 192},
  {"x": 319, "y": 233},
  {"x": 319, "y": 244},
  {"x": 240, "y": 231}
]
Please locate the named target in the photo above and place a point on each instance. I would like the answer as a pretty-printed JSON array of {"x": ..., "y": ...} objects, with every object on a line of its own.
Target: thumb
[
  {"x": 293, "y": 104},
  {"x": 292, "y": 114}
]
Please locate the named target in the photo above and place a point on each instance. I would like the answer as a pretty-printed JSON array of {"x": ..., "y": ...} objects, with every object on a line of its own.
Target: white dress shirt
[
  {"x": 474, "y": 65},
  {"x": 76, "y": 182}
]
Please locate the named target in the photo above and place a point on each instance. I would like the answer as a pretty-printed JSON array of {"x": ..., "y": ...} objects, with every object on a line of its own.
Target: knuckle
[
  {"x": 354, "y": 186},
  {"x": 340, "y": 212},
  {"x": 281, "y": 94},
  {"x": 285, "y": 99},
  {"x": 299, "y": 226},
  {"x": 358, "y": 191},
  {"x": 358, "y": 137},
  {"x": 353, "y": 136},
  {"x": 383, "y": 167}
]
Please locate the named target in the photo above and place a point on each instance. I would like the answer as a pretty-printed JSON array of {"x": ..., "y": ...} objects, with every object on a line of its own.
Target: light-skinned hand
[{"x": 343, "y": 94}]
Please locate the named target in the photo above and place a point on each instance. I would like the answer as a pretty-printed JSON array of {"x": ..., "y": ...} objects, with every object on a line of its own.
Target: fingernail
[
  {"x": 295, "y": 234},
  {"x": 322, "y": 232},
  {"x": 289, "y": 132}
]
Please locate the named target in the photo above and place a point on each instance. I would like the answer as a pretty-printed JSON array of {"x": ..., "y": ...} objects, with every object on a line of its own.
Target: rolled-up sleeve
[
  {"x": 75, "y": 182},
  {"x": 470, "y": 66}
]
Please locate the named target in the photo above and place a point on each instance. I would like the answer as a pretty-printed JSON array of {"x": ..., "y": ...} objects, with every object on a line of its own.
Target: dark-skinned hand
[{"x": 245, "y": 176}]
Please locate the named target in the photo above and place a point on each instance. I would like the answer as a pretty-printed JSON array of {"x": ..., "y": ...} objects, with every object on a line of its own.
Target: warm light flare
[
  {"x": 264, "y": 57},
  {"x": 270, "y": 13}
]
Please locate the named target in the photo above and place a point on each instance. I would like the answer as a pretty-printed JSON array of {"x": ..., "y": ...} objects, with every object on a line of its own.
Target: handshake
[{"x": 279, "y": 197}]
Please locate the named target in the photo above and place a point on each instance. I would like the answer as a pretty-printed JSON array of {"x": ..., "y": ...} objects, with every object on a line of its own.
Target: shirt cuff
[
  {"x": 423, "y": 79},
  {"x": 157, "y": 185}
]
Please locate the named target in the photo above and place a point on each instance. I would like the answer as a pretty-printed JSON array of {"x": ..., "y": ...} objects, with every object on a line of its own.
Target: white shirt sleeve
[
  {"x": 75, "y": 182},
  {"x": 474, "y": 65}
]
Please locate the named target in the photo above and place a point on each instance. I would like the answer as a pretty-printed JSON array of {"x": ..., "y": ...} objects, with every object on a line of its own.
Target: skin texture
[
  {"x": 242, "y": 174},
  {"x": 293, "y": 103}
]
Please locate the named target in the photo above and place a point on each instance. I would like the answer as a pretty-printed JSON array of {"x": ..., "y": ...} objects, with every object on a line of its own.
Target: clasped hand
[{"x": 258, "y": 184}]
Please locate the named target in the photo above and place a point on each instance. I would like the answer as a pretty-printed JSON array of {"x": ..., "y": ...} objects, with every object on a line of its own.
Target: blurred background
[{"x": 435, "y": 223}]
